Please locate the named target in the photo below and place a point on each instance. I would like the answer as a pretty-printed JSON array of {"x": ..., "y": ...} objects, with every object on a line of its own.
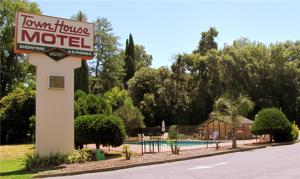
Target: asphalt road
[{"x": 281, "y": 162}]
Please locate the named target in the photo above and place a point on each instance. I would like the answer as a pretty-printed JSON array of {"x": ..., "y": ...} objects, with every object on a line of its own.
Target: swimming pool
[{"x": 168, "y": 143}]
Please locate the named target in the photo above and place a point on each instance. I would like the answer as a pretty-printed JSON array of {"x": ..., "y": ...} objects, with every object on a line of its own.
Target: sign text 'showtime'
[{"x": 42, "y": 33}]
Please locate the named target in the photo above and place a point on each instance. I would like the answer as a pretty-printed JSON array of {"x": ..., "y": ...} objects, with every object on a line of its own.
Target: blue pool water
[{"x": 180, "y": 143}]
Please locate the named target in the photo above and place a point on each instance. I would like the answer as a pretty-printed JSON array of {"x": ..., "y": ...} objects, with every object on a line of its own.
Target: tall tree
[
  {"x": 107, "y": 66},
  {"x": 129, "y": 60},
  {"x": 207, "y": 41},
  {"x": 82, "y": 73},
  {"x": 230, "y": 109},
  {"x": 142, "y": 59},
  {"x": 14, "y": 68},
  {"x": 106, "y": 44}
]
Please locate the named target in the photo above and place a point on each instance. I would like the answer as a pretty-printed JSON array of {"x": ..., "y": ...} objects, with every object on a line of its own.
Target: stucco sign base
[{"x": 54, "y": 107}]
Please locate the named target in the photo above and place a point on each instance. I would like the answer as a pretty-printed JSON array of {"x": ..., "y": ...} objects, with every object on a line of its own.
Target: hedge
[
  {"x": 107, "y": 130},
  {"x": 273, "y": 122}
]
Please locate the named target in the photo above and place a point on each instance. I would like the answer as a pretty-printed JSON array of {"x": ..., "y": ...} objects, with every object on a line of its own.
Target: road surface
[{"x": 281, "y": 162}]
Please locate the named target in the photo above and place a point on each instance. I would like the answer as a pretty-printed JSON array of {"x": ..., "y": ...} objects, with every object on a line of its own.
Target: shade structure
[{"x": 163, "y": 126}]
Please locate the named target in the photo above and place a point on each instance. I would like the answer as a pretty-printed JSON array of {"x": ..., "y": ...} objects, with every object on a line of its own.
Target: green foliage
[
  {"x": 274, "y": 122},
  {"x": 143, "y": 82},
  {"x": 161, "y": 95},
  {"x": 265, "y": 73},
  {"x": 270, "y": 121},
  {"x": 81, "y": 81},
  {"x": 90, "y": 104},
  {"x": 15, "y": 110},
  {"x": 107, "y": 68},
  {"x": 173, "y": 132},
  {"x": 126, "y": 152},
  {"x": 207, "y": 41},
  {"x": 82, "y": 77},
  {"x": 33, "y": 161},
  {"x": 14, "y": 68},
  {"x": 99, "y": 129},
  {"x": 104, "y": 107},
  {"x": 295, "y": 131},
  {"x": 117, "y": 98},
  {"x": 78, "y": 94},
  {"x": 93, "y": 102},
  {"x": 142, "y": 59},
  {"x": 231, "y": 108},
  {"x": 132, "y": 118},
  {"x": 187, "y": 93},
  {"x": 81, "y": 106},
  {"x": 148, "y": 108},
  {"x": 78, "y": 156},
  {"x": 129, "y": 60},
  {"x": 79, "y": 16}
]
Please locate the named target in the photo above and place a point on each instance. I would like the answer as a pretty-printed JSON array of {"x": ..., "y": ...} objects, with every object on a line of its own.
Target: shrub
[
  {"x": 34, "y": 162},
  {"x": 295, "y": 131},
  {"x": 104, "y": 107},
  {"x": 81, "y": 106},
  {"x": 78, "y": 94},
  {"x": 90, "y": 104},
  {"x": 99, "y": 129},
  {"x": 15, "y": 111},
  {"x": 117, "y": 98},
  {"x": 173, "y": 132},
  {"x": 272, "y": 121},
  {"x": 78, "y": 156},
  {"x": 126, "y": 152},
  {"x": 132, "y": 117}
]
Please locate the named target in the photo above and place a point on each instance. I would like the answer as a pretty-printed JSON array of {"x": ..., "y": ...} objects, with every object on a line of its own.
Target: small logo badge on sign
[{"x": 56, "y": 54}]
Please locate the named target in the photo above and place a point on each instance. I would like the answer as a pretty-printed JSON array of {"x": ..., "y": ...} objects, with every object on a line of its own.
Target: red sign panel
[{"x": 41, "y": 34}]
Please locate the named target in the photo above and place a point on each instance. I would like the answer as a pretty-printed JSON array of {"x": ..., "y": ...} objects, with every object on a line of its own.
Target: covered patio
[{"x": 215, "y": 128}]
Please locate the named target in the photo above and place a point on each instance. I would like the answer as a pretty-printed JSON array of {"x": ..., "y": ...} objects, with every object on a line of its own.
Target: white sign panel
[{"x": 39, "y": 33}]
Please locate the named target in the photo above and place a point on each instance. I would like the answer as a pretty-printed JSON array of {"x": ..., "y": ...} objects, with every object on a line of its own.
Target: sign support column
[{"x": 54, "y": 106}]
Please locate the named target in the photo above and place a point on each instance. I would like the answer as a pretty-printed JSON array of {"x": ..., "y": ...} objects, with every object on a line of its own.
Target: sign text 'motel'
[{"x": 44, "y": 34}]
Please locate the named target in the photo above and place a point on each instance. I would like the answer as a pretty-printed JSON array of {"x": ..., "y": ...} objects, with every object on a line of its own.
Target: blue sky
[{"x": 167, "y": 28}]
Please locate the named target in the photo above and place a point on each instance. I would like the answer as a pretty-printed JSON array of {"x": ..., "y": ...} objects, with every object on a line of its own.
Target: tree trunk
[
  {"x": 234, "y": 138},
  {"x": 96, "y": 69}
]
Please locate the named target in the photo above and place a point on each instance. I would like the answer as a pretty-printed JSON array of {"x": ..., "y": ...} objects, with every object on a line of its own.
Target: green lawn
[{"x": 10, "y": 161}]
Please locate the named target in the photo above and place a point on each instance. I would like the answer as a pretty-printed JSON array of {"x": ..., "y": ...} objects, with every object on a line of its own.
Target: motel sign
[
  {"x": 56, "y": 47},
  {"x": 37, "y": 33}
]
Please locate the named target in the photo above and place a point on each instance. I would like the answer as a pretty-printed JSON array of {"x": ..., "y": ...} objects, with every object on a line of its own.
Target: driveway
[{"x": 281, "y": 162}]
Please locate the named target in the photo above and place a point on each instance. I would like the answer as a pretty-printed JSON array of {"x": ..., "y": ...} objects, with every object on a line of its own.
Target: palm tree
[{"x": 231, "y": 110}]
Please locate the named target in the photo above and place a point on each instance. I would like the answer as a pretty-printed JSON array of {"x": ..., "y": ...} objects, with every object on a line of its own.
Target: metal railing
[{"x": 153, "y": 144}]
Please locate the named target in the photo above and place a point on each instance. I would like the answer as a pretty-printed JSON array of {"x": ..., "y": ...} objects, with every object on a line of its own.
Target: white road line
[{"x": 207, "y": 166}]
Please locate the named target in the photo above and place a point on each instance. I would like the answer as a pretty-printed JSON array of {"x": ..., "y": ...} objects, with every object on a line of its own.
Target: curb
[{"x": 158, "y": 162}]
